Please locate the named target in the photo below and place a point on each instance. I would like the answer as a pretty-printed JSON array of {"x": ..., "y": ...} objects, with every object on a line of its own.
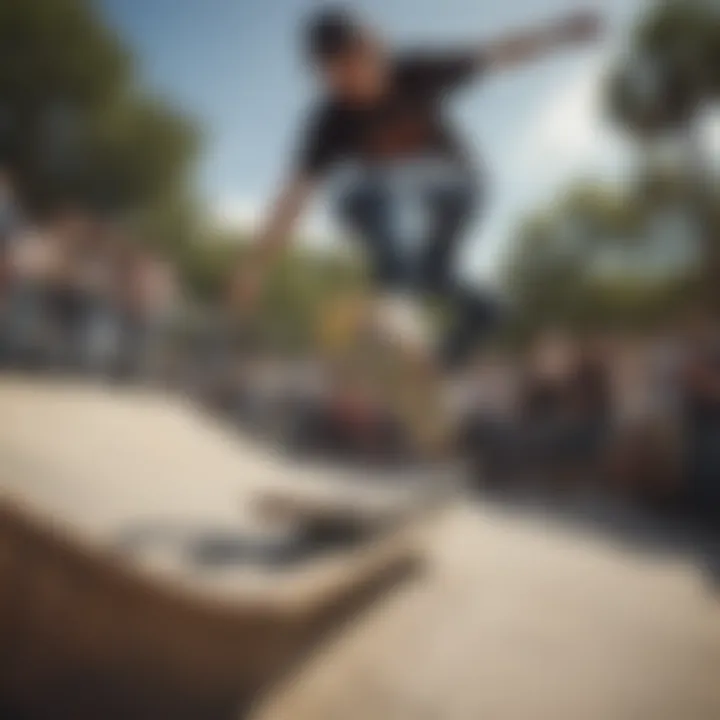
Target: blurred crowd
[
  {"x": 632, "y": 416},
  {"x": 78, "y": 294}
]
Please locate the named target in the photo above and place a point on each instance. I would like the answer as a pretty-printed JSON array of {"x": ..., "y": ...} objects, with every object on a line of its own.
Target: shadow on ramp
[{"x": 85, "y": 635}]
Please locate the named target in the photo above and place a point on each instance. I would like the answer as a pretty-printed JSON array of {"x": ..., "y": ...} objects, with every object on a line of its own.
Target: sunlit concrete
[{"x": 515, "y": 618}]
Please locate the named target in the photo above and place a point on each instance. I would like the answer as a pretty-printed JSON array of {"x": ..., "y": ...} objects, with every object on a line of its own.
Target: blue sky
[{"x": 234, "y": 65}]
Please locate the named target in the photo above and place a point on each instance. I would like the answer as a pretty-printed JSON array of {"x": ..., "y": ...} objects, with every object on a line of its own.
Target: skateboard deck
[{"x": 383, "y": 346}]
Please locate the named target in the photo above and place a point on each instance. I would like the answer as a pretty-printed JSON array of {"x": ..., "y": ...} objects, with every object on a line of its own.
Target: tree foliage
[
  {"x": 559, "y": 270},
  {"x": 593, "y": 261},
  {"x": 672, "y": 70},
  {"x": 670, "y": 77},
  {"x": 73, "y": 123},
  {"x": 302, "y": 285}
]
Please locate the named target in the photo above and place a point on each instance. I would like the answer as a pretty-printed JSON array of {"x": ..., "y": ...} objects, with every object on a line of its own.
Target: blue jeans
[{"x": 369, "y": 210}]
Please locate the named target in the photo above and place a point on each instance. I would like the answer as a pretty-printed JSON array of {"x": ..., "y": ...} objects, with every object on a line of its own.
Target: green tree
[
  {"x": 592, "y": 261},
  {"x": 73, "y": 124},
  {"x": 302, "y": 285},
  {"x": 658, "y": 93}
]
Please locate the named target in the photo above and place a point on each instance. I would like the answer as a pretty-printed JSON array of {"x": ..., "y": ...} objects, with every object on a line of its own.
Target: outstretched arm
[
  {"x": 532, "y": 44},
  {"x": 274, "y": 236}
]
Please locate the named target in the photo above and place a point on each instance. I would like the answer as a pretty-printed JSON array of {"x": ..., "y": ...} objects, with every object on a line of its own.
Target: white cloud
[
  {"x": 236, "y": 213},
  {"x": 246, "y": 214},
  {"x": 570, "y": 135},
  {"x": 566, "y": 137}
]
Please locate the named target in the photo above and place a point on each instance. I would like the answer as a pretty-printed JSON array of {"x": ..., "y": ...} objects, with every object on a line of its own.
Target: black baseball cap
[{"x": 331, "y": 32}]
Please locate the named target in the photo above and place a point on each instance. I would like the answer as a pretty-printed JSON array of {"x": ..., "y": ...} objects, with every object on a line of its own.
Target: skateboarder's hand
[
  {"x": 245, "y": 291},
  {"x": 247, "y": 283},
  {"x": 581, "y": 26}
]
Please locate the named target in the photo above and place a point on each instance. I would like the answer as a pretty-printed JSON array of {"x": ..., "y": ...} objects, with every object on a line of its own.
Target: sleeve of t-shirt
[
  {"x": 320, "y": 144},
  {"x": 443, "y": 71}
]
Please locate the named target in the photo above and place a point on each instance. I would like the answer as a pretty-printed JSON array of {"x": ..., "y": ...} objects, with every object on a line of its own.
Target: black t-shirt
[{"x": 406, "y": 123}]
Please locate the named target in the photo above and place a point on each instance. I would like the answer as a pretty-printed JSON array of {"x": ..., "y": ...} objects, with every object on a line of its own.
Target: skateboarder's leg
[
  {"x": 474, "y": 312},
  {"x": 366, "y": 210}
]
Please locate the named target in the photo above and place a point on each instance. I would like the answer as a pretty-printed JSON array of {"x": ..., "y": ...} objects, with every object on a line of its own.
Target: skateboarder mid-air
[{"x": 379, "y": 135}]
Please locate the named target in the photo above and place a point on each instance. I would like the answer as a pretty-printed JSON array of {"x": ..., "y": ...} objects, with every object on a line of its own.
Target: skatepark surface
[{"x": 513, "y": 617}]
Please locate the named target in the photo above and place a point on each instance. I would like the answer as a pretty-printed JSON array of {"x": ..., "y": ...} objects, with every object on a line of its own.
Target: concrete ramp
[
  {"x": 84, "y": 635},
  {"x": 512, "y": 619}
]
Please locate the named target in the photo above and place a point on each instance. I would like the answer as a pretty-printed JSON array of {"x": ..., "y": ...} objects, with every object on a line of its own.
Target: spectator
[
  {"x": 8, "y": 228},
  {"x": 96, "y": 276},
  {"x": 667, "y": 356},
  {"x": 589, "y": 411},
  {"x": 68, "y": 306},
  {"x": 9, "y": 212},
  {"x": 701, "y": 415},
  {"x": 158, "y": 296},
  {"x": 646, "y": 458},
  {"x": 31, "y": 263},
  {"x": 488, "y": 431},
  {"x": 544, "y": 412},
  {"x": 132, "y": 301}
]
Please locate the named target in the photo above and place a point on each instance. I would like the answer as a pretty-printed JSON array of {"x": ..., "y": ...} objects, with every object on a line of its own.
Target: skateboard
[{"x": 384, "y": 346}]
